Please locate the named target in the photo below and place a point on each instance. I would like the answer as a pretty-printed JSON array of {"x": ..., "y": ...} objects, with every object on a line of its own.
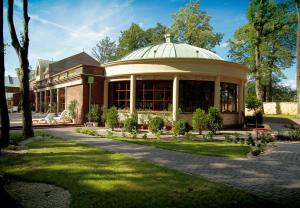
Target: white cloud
[
  {"x": 224, "y": 45},
  {"x": 63, "y": 29},
  {"x": 290, "y": 83}
]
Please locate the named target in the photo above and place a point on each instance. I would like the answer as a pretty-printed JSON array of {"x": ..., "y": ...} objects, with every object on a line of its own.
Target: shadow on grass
[{"x": 96, "y": 178}]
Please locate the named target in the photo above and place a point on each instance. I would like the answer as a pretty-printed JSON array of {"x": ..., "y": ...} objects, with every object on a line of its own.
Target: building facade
[
  {"x": 56, "y": 84},
  {"x": 160, "y": 78}
]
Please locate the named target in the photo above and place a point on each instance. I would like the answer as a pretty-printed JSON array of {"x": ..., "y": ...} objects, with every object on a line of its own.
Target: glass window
[
  {"x": 195, "y": 94},
  {"x": 228, "y": 97},
  {"x": 153, "y": 94},
  {"x": 119, "y": 95}
]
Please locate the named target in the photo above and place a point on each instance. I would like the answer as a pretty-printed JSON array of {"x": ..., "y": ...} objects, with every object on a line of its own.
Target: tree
[
  {"x": 191, "y": 25},
  {"x": 131, "y": 39},
  {"x": 259, "y": 14},
  {"x": 199, "y": 120},
  {"x": 22, "y": 53},
  {"x": 297, "y": 6},
  {"x": 105, "y": 50},
  {"x": 276, "y": 51},
  {"x": 4, "y": 139},
  {"x": 156, "y": 35}
]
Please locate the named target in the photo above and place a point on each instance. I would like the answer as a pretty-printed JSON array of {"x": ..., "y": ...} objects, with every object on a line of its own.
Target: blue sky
[{"x": 64, "y": 27}]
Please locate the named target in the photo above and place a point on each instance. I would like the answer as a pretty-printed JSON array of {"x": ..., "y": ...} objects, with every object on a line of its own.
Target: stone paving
[{"x": 274, "y": 175}]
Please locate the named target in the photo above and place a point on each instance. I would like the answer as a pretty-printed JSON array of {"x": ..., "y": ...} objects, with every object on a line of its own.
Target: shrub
[
  {"x": 72, "y": 108},
  {"x": 256, "y": 152},
  {"x": 94, "y": 114},
  {"x": 112, "y": 117},
  {"x": 252, "y": 103},
  {"x": 250, "y": 140},
  {"x": 15, "y": 137},
  {"x": 228, "y": 138},
  {"x": 214, "y": 119},
  {"x": 130, "y": 124},
  {"x": 180, "y": 127},
  {"x": 156, "y": 124},
  {"x": 189, "y": 136},
  {"x": 88, "y": 131},
  {"x": 199, "y": 120}
]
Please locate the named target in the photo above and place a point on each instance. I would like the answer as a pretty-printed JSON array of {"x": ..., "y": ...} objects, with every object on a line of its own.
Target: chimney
[{"x": 168, "y": 38}]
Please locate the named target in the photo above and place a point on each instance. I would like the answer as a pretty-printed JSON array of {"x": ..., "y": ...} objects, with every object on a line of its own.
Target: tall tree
[
  {"x": 297, "y": 6},
  {"x": 276, "y": 49},
  {"x": 259, "y": 13},
  {"x": 3, "y": 105},
  {"x": 156, "y": 35},
  {"x": 131, "y": 39},
  {"x": 22, "y": 52},
  {"x": 105, "y": 50},
  {"x": 191, "y": 25}
]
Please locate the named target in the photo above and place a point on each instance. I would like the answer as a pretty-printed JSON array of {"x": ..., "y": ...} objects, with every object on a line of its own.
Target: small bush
[
  {"x": 94, "y": 114},
  {"x": 88, "y": 131},
  {"x": 12, "y": 147},
  {"x": 72, "y": 108},
  {"x": 145, "y": 136},
  {"x": 199, "y": 120},
  {"x": 112, "y": 117},
  {"x": 156, "y": 124},
  {"x": 228, "y": 138},
  {"x": 256, "y": 152},
  {"x": 181, "y": 127},
  {"x": 189, "y": 136},
  {"x": 130, "y": 124},
  {"x": 214, "y": 119},
  {"x": 250, "y": 140}
]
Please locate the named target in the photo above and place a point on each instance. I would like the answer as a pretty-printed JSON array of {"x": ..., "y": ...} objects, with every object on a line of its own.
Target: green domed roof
[{"x": 171, "y": 50}]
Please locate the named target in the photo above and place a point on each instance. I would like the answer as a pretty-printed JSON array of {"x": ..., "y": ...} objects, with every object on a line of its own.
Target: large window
[
  {"x": 153, "y": 94},
  {"x": 119, "y": 94},
  {"x": 228, "y": 97},
  {"x": 195, "y": 94}
]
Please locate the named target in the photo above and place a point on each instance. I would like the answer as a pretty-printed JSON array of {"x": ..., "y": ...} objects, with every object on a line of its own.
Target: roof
[
  {"x": 72, "y": 61},
  {"x": 11, "y": 81},
  {"x": 171, "y": 50}
]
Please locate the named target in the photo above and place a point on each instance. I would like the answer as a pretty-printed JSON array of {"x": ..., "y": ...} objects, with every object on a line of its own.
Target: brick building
[{"x": 58, "y": 83}]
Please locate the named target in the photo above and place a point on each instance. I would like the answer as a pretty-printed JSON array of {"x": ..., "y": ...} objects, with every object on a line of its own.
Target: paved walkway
[{"x": 275, "y": 175}]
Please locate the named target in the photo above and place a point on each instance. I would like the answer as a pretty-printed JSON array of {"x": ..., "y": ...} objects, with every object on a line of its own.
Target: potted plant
[
  {"x": 72, "y": 108},
  {"x": 94, "y": 115}
]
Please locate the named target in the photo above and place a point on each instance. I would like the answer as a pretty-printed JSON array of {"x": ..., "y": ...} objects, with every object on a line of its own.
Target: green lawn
[
  {"x": 281, "y": 116},
  {"x": 220, "y": 149},
  {"x": 97, "y": 178}
]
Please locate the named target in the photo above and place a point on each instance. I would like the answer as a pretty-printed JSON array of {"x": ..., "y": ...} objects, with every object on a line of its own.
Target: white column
[
  {"x": 175, "y": 97},
  {"x": 36, "y": 101},
  {"x": 51, "y": 97},
  {"x": 40, "y": 106},
  {"x": 105, "y": 93},
  {"x": 217, "y": 92},
  {"x": 132, "y": 93},
  {"x": 241, "y": 101},
  {"x": 66, "y": 100},
  {"x": 57, "y": 99},
  {"x": 45, "y": 101}
]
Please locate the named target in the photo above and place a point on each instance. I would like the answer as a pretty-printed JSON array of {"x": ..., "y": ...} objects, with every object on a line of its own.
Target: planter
[{"x": 73, "y": 121}]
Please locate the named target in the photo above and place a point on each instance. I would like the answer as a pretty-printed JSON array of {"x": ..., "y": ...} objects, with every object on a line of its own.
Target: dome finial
[{"x": 168, "y": 38}]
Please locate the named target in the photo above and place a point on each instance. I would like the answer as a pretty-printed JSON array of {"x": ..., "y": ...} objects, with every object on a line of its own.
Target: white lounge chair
[
  {"x": 48, "y": 119},
  {"x": 63, "y": 117}
]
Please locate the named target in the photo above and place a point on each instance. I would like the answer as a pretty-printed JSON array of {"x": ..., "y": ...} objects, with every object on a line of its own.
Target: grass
[
  {"x": 96, "y": 178},
  {"x": 281, "y": 116},
  {"x": 219, "y": 149}
]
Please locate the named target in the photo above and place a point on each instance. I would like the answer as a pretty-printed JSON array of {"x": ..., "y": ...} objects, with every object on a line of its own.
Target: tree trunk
[
  {"x": 22, "y": 52},
  {"x": 4, "y": 139},
  {"x": 298, "y": 62},
  {"x": 258, "y": 86}
]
